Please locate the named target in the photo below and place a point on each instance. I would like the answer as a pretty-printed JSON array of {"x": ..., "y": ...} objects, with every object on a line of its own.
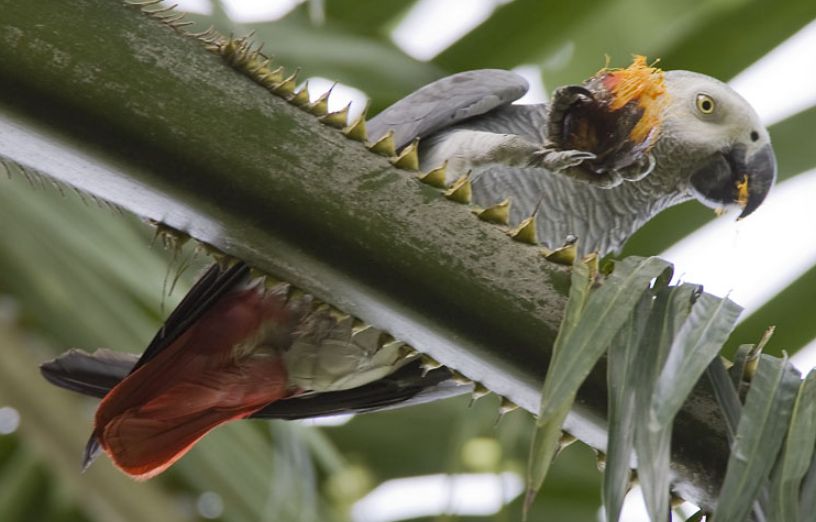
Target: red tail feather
[{"x": 156, "y": 414}]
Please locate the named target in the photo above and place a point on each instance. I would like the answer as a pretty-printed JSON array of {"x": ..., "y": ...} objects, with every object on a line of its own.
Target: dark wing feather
[
  {"x": 89, "y": 374},
  {"x": 446, "y": 102},
  {"x": 95, "y": 374},
  {"x": 212, "y": 285},
  {"x": 408, "y": 386}
]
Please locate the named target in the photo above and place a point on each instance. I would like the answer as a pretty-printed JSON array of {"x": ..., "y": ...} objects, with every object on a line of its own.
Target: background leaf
[
  {"x": 621, "y": 364},
  {"x": 672, "y": 305},
  {"x": 604, "y": 314},
  {"x": 760, "y": 434},
  {"x": 584, "y": 336},
  {"x": 695, "y": 344},
  {"x": 797, "y": 454}
]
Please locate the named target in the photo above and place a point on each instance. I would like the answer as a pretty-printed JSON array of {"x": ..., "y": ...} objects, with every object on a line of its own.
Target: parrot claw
[
  {"x": 551, "y": 158},
  {"x": 638, "y": 170},
  {"x": 571, "y": 163}
]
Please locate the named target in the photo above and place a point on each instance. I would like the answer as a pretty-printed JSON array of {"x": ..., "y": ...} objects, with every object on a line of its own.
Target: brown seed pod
[{"x": 616, "y": 115}]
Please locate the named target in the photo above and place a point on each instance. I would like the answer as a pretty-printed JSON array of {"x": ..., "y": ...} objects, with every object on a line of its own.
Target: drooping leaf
[
  {"x": 727, "y": 396},
  {"x": 582, "y": 340},
  {"x": 622, "y": 408},
  {"x": 543, "y": 448},
  {"x": 684, "y": 333},
  {"x": 671, "y": 308},
  {"x": 581, "y": 281},
  {"x": 544, "y": 443},
  {"x": 604, "y": 314},
  {"x": 796, "y": 456},
  {"x": 694, "y": 346},
  {"x": 807, "y": 501},
  {"x": 761, "y": 430}
]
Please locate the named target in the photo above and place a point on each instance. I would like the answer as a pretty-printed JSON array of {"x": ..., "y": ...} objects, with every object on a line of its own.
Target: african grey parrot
[
  {"x": 710, "y": 139},
  {"x": 238, "y": 347}
]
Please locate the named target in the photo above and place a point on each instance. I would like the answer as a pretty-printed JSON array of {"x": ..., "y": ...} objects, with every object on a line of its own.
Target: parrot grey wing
[
  {"x": 600, "y": 219},
  {"x": 95, "y": 374},
  {"x": 446, "y": 102}
]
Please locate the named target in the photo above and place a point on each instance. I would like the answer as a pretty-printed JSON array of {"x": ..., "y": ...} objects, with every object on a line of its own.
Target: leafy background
[{"x": 77, "y": 274}]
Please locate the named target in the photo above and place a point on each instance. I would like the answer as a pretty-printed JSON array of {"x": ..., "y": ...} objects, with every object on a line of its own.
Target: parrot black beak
[{"x": 730, "y": 178}]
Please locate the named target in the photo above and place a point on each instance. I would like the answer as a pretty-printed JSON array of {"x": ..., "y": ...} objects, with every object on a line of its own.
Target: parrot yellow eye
[{"x": 705, "y": 103}]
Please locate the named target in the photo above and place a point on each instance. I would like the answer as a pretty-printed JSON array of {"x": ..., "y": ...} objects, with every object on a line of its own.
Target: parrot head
[
  {"x": 704, "y": 119},
  {"x": 696, "y": 133}
]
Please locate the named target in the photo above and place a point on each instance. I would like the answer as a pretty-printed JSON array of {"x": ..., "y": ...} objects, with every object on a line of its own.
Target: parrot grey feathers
[
  {"x": 703, "y": 141},
  {"x": 446, "y": 102}
]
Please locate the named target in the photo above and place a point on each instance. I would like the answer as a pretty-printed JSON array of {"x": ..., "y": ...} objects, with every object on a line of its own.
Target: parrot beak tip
[
  {"x": 732, "y": 179},
  {"x": 760, "y": 178}
]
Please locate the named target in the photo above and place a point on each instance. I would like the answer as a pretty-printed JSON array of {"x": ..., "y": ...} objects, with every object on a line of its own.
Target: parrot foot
[
  {"x": 639, "y": 169},
  {"x": 571, "y": 163},
  {"x": 552, "y": 158}
]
